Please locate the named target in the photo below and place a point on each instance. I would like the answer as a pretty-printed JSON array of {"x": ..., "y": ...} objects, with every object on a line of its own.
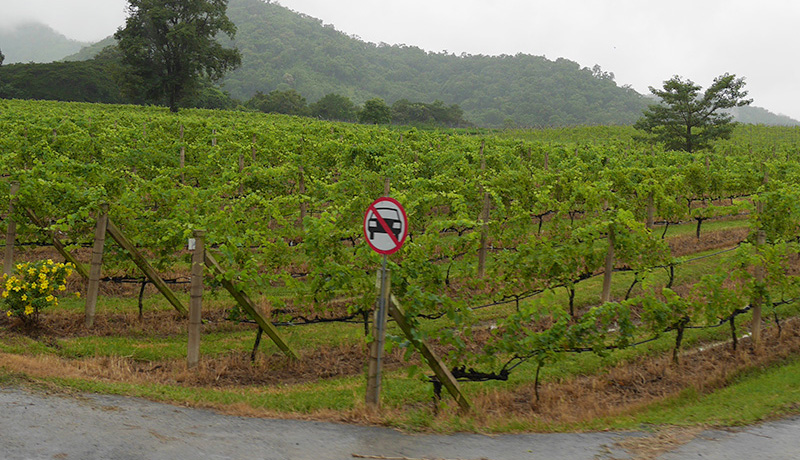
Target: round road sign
[{"x": 385, "y": 225}]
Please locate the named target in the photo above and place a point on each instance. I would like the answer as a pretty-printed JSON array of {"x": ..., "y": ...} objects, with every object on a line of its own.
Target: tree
[
  {"x": 288, "y": 102},
  {"x": 334, "y": 107},
  {"x": 375, "y": 111},
  {"x": 686, "y": 120},
  {"x": 169, "y": 45},
  {"x": 2, "y": 57}
]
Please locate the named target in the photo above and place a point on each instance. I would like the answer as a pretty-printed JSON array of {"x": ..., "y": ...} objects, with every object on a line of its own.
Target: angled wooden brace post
[
  {"x": 59, "y": 245},
  {"x": 146, "y": 268},
  {"x": 247, "y": 304},
  {"x": 436, "y": 364}
]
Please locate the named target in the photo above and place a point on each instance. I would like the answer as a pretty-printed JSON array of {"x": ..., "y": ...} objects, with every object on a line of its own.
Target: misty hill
[
  {"x": 35, "y": 42},
  {"x": 282, "y": 49},
  {"x": 92, "y": 50},
  {"x": 760, "y": 116}
]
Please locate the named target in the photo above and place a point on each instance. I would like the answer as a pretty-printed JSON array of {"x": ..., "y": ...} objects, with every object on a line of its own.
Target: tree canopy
[
  {"x": 334, "y": 107},
  {"x": 168, "y": 46},
  {"x": 686, "y": 120},
  {"x": 375, "y": 111}
]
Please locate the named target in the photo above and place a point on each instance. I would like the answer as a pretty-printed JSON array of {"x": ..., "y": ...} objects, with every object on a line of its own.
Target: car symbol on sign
[{"x": 392, "y": 219}]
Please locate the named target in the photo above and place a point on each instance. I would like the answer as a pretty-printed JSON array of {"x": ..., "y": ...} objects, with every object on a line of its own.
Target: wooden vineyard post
[
  {"x": 196, "y": 304},
  {"x": 241, "y": 171},
  {"x": 93, "y": 289},
  {"x": 11, "y": 231},
  {"x": 373, "y": 396},
  {"x": 146, "y": 268},
  {"x": 182, "y": 158},
  {"x": 441, "y": 372},
  {"x": 609, "y": 268},
  {"x": 301, "y": 189},
  {"x": 484, "y": 221},
  {"x": 248, "y": 306},
  {"x": 758, "y": 300}
]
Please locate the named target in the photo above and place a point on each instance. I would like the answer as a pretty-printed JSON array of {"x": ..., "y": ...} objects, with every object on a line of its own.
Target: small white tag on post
[{"x": 192, "y": 244}]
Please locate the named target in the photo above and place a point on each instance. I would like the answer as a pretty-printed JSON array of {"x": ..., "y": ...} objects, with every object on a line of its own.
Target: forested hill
[
  {"x": 285, "y": 50},
  {"x": 35, "y": 42},
  {"x": 282, "y": 49}
]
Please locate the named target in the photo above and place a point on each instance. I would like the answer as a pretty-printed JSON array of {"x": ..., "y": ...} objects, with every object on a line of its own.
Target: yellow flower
[
  {"x": 28, "y": 310},
  {"x": 78, "y": 294},
  {"x": 8, "y": 313},
  {"x": 31, "y": 271},
  {"x": 5, "y": 294},
  {"x": 24, "y": 297},
  {"x": 63, "y": 287},
  {"x": 48, "y": 298},
  {"x": 42, "y": 276},
  {"x": 50, "y": 261},
  {"x": 33, "y": 285}
]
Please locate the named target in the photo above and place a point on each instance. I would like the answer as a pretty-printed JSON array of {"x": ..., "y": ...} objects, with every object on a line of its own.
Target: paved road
[{"x": 46, "y": 426}]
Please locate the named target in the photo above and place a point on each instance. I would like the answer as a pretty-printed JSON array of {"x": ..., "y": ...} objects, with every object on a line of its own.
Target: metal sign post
[{"x": 385, "y": 229}]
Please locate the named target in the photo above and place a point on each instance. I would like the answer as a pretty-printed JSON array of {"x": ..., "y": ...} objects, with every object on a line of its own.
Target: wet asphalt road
[{"x": 35, "y": 425}]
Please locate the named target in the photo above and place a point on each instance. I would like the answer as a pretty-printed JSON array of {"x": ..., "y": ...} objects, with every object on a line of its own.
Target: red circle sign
[{"x": 385, "y": 225}]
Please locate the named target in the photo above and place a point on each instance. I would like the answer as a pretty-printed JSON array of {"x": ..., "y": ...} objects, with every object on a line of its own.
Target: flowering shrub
[{"x": 33, "y": 287}]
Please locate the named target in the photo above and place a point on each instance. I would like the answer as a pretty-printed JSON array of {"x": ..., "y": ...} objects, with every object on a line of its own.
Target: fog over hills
[
  {"x": 283, "y": 50},
  {"x": 33, "y": 42}
]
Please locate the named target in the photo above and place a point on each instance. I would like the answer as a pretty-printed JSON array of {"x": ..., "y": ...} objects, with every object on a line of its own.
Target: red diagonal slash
[{"x": 384, "y": 225}]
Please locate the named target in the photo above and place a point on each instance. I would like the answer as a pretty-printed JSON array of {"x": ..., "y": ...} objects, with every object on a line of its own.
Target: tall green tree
[
  {"x": 288, "y": 102},
  {"x": 334, "y": 107},
  {"x": 169, "y": 45},
  {"x": 689, "y": 121},
  {"x": 375, "y": 111}
]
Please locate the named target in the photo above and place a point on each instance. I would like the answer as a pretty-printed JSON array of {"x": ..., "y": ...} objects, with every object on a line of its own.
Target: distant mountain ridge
[
  {"x": 283, "y": 49},
  {"x": 760, "y": 116},
  {"x": 34, "y": 42}
]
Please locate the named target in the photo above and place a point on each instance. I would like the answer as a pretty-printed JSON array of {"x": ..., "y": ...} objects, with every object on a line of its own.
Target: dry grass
[
  {"x": 633, "y": 385},
  {"x": 685, "y": 245}
]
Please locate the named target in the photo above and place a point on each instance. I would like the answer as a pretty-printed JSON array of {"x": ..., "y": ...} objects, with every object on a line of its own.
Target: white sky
[{"x": 643, "y": 42}]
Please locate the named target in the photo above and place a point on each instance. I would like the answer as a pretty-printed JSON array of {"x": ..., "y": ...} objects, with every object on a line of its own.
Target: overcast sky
[{"x": 643, "y": 42}]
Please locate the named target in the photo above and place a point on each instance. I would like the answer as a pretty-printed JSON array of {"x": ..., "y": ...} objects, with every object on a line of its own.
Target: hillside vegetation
[{"x": 287, "y": 51}]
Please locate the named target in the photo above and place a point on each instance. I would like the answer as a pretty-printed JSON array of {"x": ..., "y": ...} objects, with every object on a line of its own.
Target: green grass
[{"x": 757, "y": 395}]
